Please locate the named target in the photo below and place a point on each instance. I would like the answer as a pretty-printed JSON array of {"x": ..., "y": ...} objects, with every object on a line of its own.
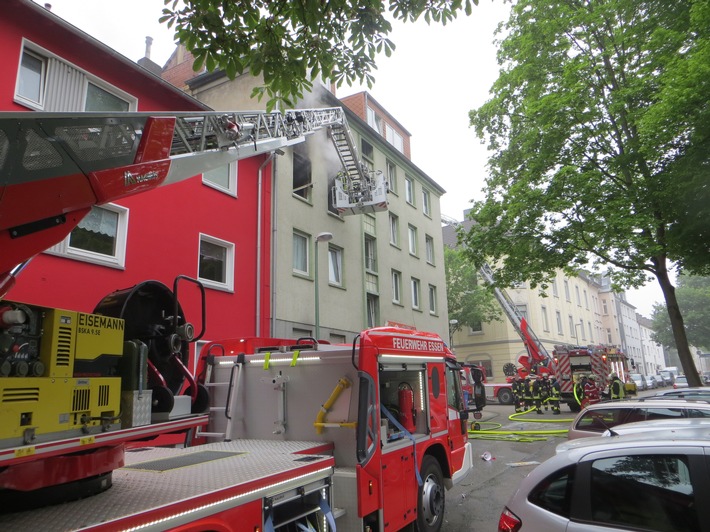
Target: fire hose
[{"x": 517, "y": 435}]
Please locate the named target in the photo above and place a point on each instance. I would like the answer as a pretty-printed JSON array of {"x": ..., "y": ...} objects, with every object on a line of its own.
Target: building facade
[{"x": 365, "y": 270}]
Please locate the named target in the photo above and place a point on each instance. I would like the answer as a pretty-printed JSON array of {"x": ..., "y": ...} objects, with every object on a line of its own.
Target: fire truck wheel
[
  {"x": 430, "y": 514},
  {"x": 505, "y": 396}
]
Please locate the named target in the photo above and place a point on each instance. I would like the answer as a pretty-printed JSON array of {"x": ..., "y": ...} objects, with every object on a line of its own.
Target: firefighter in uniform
[
  {"x": 545, "y": 392},
  {"x": 616, "y": 388},
  {"x": 579, "y": 391},
  {"x": 555, "y": 394},
  {"x": 518, "y": 389},
  {"x": 528, "y": 393},
  {"x": 591, "y": 392},
  {"x": 537, "y": 393}
]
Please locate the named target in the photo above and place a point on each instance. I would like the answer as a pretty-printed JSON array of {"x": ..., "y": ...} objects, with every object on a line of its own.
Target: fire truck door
[{"x": 458, "y": 430}]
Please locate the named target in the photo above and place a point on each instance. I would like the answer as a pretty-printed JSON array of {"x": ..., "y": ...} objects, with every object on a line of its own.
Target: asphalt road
[{"x": 475, "y": 504}]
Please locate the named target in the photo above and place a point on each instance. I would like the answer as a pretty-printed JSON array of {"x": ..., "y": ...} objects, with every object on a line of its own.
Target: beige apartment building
[
  {"x": 579, "y": 310},
  {"x": 354, "y": 271}
]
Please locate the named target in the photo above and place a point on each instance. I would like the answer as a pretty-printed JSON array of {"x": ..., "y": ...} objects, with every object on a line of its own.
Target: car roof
[
  {"x": 646, "y": 403},
  {"x": 659, "y": 424},
  {"x": 670, "y": 437},
  {"x": 675, "y": 391}
]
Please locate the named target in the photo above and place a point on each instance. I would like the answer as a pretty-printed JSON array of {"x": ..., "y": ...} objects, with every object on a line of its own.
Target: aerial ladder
[
  {"x": 54, "y": 167},
  {"x": 538, "y": 360}
]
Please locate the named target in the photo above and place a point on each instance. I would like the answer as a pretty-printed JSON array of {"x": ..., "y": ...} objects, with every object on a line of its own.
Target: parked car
[
  {"x": 651, "y": 382},
  {"x": 662, "y": 382},
  {"x": 653, "y": 480},
  {"x": 595, "y": 419},
  {"x": 639, "y": 380},
  {"x": 681, "y": 381},
  {"x": 668, "y": 376}
]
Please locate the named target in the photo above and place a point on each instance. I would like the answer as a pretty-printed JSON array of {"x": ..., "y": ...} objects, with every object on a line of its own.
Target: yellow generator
[{"x": 59, "y": 373}]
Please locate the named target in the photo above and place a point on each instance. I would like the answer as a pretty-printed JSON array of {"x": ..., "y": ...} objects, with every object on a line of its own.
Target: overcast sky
[{"x": 435, "y": 77}]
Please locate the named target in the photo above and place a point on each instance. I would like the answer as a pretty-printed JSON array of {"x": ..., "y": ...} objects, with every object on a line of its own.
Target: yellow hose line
[
  {"x": 524, "y": 436},
  {"x": 513, "y": 417}
]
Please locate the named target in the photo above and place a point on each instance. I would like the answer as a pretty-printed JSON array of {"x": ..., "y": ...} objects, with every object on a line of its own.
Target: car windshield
[{"x": 681, "y": 379}]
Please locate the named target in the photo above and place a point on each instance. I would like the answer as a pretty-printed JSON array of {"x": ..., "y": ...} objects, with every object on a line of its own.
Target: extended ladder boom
[
  {"x": 536, "y": 351},
  {"x": 54, "y": 167}
]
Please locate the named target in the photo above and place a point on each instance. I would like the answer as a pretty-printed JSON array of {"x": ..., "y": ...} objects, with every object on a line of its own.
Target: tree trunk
[{"x": 678, "y": 328}]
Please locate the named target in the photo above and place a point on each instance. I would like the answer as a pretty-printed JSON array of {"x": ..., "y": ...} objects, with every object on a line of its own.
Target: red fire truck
[
  {"x": 573, "y": 362},
  {"x": 303, "y": 434}
]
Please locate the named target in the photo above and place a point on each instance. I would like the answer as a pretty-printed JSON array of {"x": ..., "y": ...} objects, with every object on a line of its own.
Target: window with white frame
[
  {"x": 370, "y": 254},
  {"x": 409, "y": 190},
  {"x": 373, "y": 310},
  {"x": 579, "y": 299},
  {"x": 571, "y": 326},
  {"x": 554, "y": 288},
  {"x": 31, "y": 79},
  {"x": 426, "y": 202},
  {"x": 396, "y": 287},
  {"x": 216, "y": 263},
  {"x": 416, "y": 292},
  {"x": 40, "y": 70},
  {"x": 392, "y": 177},
  {"x": 558, "y": 318},
  {"x": 98, "y": 99},
  {"x": 99, "y": 238},
  {"x": 567, "y": 296},
  {"x": 589, "y": 326},
  {"x": 476, "y": 327},
  {"x": 545, "y": 323},
  {"x": 373, "y": 120},
  {"x": 223, "y": 178},
  {"x": 301, "y": 243},
  {"x": 394, "y": 138},
  {"x": 522, "y": 310},
  {"x": 429, "y": 243},
  {"x": 432, "y": 299},
  {"x": 335, "y": 265},
  {"x": 394, "y": 229},
  {"x": 412, "y": 232}
]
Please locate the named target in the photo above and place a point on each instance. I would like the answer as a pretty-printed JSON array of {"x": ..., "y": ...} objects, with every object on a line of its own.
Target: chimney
[{"x": 148, "y": 44}]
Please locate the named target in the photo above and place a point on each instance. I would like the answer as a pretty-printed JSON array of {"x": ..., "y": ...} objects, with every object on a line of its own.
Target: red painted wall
[{"x": 164, "y": 224}]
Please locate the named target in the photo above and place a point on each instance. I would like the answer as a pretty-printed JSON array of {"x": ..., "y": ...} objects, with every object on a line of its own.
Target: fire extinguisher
[{"x": 407, "y": 414}]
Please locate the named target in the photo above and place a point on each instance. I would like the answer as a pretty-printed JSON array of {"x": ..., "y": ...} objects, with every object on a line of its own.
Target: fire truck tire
[
  {"x": 430, "y": 511},
  {"x": 505, "y": 396}
]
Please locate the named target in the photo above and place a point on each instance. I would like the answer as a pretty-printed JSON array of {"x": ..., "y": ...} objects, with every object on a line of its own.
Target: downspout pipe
[{"x": 259, "y": 231}]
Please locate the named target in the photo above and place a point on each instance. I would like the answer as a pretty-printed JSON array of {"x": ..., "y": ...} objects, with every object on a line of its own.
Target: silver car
[
  {"x": 595, "y": 419},
  {"x": 654, "y": 480}
]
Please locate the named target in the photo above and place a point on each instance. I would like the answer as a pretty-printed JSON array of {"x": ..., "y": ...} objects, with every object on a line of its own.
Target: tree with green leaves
[
  {"x": 469, "y": 303},
  {"x": 292, "y": 42},
  {"x": 599, "y": 132},
  {"x": 693, "y": 294}
]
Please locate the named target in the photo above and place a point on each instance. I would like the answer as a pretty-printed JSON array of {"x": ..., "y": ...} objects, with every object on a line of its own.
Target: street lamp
[
  {"x": 452, "y": 327},
  {"x": 320, "y": 237}
]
